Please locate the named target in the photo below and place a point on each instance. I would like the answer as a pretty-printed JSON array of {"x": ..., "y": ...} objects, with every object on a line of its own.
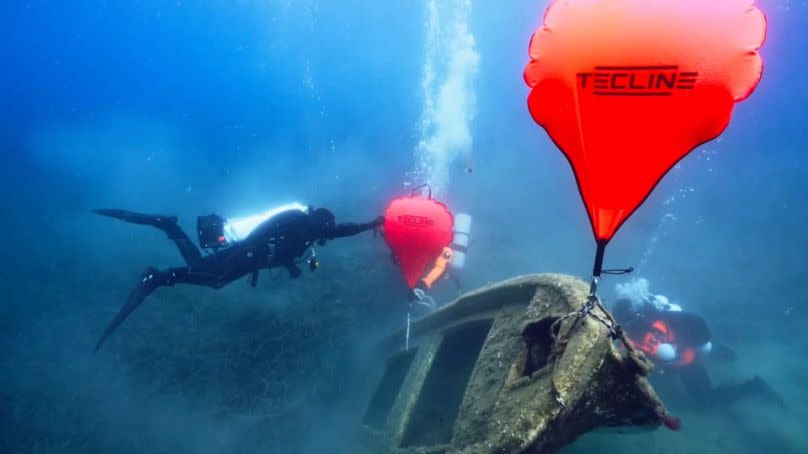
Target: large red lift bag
[{"x": 627, "y": 88}]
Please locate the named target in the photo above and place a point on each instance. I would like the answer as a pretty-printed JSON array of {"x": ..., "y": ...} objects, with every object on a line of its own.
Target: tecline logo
[
  {"x": 660, "y": 80},
  {"x": 415, "y": 221}
]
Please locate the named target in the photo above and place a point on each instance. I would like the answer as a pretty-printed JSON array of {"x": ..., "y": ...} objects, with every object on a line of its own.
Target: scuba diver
[
  {"x": 448, "y": 264},
  {"x": 679, "y": 341},
  {"x": 275, "y": 238}
]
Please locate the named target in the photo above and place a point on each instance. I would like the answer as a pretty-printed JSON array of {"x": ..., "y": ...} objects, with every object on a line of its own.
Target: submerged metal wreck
[{"x": 483, "y": 374}]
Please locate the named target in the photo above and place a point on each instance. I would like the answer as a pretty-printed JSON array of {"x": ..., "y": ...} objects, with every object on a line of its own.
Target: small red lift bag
[{"x": 417, "y": 230}]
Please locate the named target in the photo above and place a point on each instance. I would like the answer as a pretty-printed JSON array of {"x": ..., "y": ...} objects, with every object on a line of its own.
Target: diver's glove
[{"x": 420, "y": 297}]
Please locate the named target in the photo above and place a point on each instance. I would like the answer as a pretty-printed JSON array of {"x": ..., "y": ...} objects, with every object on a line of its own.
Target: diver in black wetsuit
[
  {"x": 678, "y": 342},
  {"x": 277, "y": 239}
]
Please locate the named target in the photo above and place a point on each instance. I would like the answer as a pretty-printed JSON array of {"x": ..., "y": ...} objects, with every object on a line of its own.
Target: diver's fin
[
  {"x": 764, "y": 389},
  {"x": 147, "y": 285},
  {"x": 137, "y": 218}
]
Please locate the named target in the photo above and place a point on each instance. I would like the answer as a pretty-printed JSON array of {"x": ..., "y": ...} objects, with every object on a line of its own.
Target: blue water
[{"x": 188, "y": 108}]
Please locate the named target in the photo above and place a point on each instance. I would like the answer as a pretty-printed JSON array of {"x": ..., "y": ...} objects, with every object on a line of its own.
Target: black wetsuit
[
  {"x": 692, "y": 331},
  {"x": 277, "y": 242}
]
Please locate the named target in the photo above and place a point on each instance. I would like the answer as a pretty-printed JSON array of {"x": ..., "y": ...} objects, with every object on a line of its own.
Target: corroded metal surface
[{"x": 518, "y": 391}]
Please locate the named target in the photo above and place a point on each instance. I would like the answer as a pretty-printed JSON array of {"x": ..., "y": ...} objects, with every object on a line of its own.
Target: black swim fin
[
  {"x": 155, "y": 220},
  {"x": 764, "y": 389},
  {"x": 151, "y": 281}
]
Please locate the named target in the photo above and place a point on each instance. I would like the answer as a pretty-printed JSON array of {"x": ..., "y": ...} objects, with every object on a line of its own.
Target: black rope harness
[{"x": 594, "y": 308}]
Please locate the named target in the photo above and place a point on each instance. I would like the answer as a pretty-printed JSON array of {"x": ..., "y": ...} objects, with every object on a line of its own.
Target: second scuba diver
[
  {"x": 276, "y": 238},
  {"x": 448, "y": 264},
  {"x": 678, "y": 342}
]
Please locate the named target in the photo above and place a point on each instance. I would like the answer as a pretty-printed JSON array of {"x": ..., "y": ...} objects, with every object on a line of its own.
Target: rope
[
  {"x": 592, "y": 301},
  {"x": 618, "y": 271},
  {"x": 409, "y": 319},
  {"x": 636, "y": 359}
]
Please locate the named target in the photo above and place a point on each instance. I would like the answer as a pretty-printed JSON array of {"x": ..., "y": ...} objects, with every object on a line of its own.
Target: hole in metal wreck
[{"x": 538, "y": 345}]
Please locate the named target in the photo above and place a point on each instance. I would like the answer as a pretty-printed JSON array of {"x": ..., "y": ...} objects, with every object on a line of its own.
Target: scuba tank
[
  {"x": 461, "y": 240},
  {"x": 215, "y": 231}
]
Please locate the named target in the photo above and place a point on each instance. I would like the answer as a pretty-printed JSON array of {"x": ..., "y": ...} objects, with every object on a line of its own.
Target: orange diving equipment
[{"x": 438, "y": 268}]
